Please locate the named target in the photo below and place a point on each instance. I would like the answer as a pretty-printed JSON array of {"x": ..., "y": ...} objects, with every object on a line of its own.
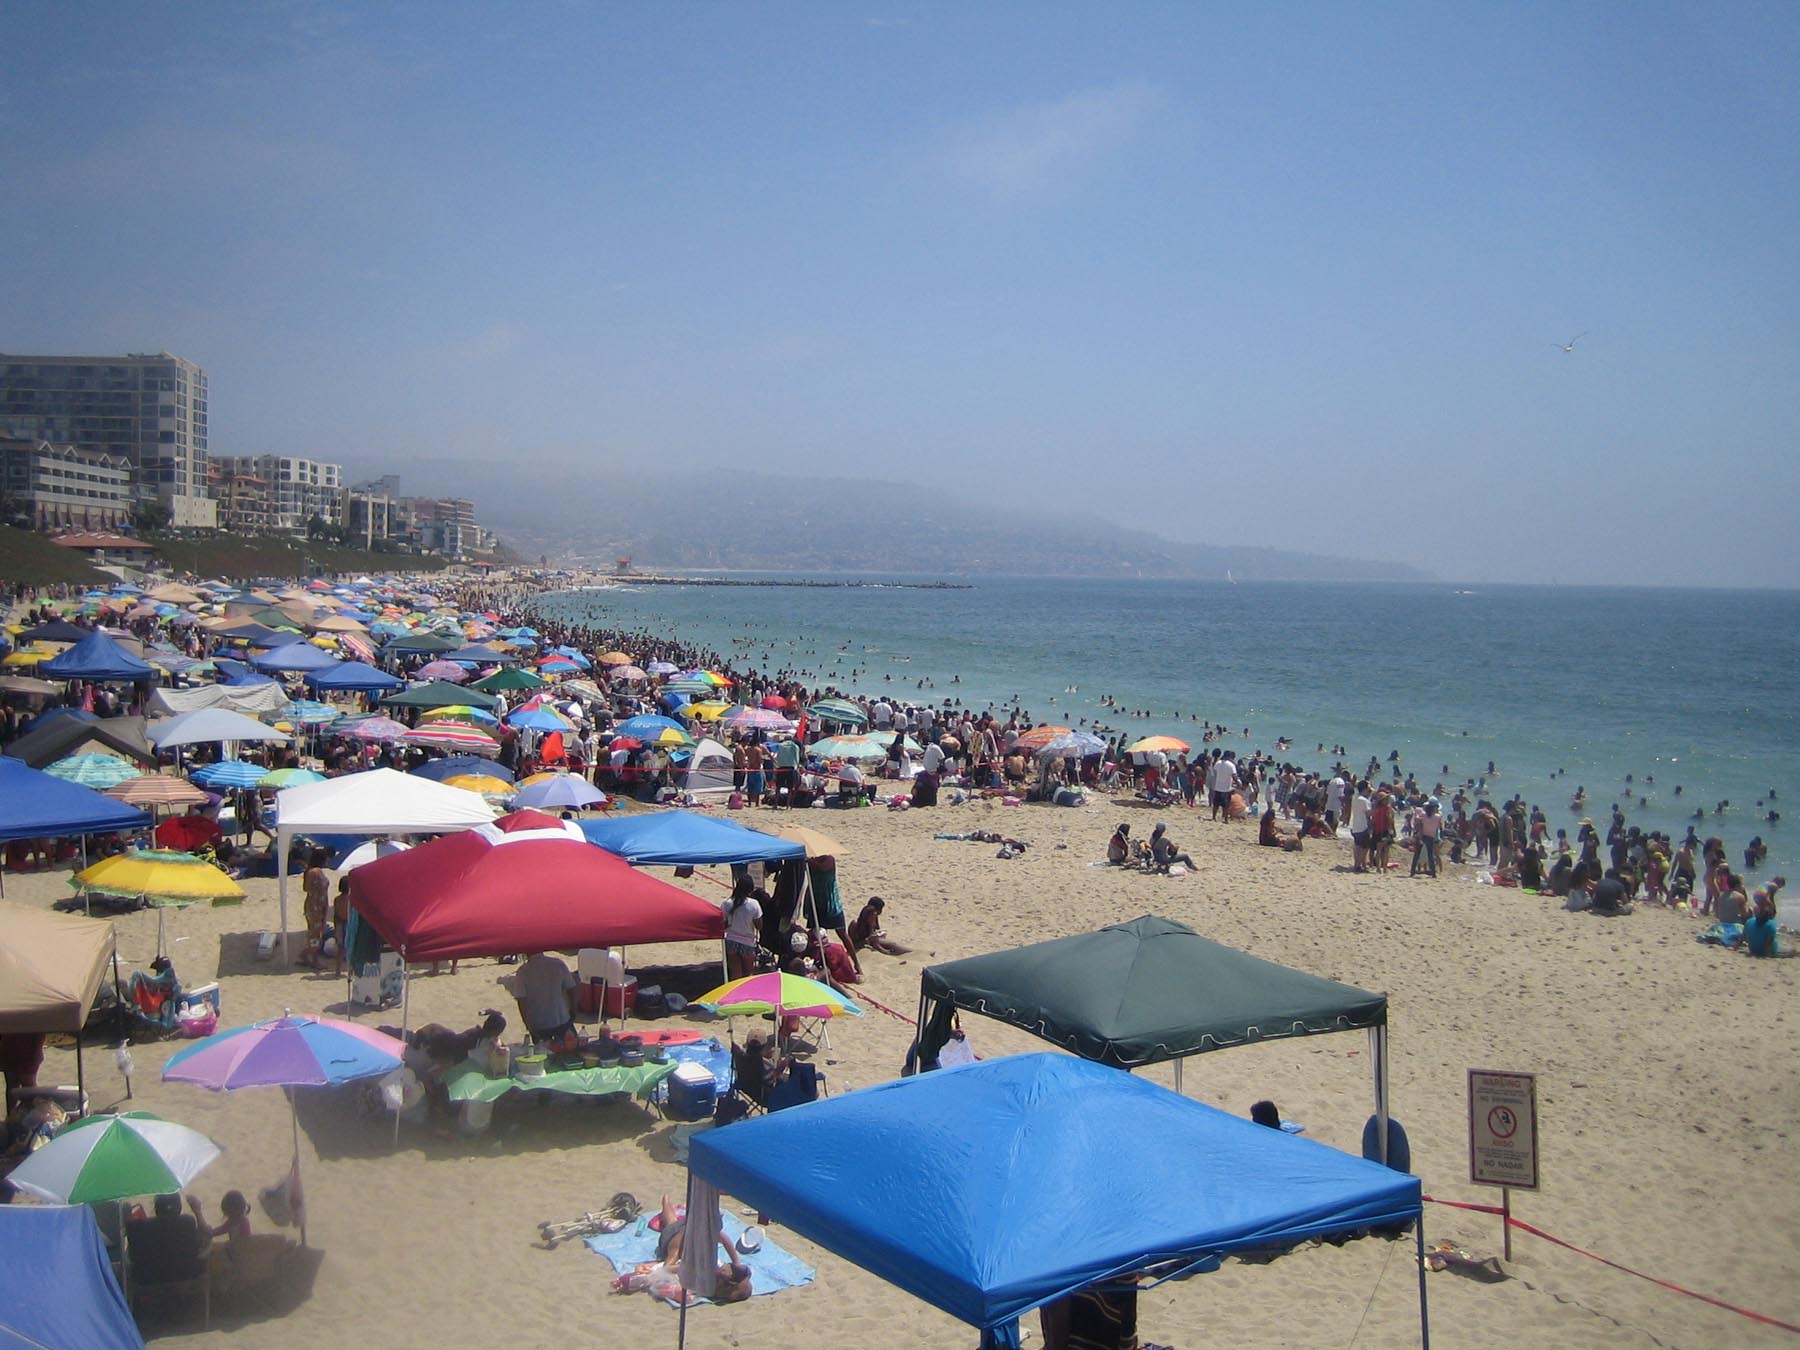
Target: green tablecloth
[{"x": 466, "y": 1083}]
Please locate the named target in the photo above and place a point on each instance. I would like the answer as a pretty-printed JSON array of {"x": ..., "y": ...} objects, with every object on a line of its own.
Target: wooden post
[{"x": 1506, "y": 1222}]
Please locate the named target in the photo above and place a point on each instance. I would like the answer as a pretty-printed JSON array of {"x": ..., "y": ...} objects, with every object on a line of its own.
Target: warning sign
[{"x": 1503, "y": 1129}]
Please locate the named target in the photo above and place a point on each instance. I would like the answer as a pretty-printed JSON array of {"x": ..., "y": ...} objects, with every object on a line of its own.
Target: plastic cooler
[
  {"x": 621, "y": 998},
  {"x": 693, "y": 1092}
]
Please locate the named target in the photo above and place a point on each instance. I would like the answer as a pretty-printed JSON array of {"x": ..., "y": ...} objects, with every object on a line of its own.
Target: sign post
[{"x": 1503, "y": 1137}]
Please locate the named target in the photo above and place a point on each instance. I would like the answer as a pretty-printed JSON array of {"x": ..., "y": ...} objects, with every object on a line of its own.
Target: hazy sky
[{"x": 1290, "y": 274}]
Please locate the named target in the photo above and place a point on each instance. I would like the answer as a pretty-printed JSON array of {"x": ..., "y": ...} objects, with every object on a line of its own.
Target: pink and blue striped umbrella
[{"x": 287, "y": 1052}]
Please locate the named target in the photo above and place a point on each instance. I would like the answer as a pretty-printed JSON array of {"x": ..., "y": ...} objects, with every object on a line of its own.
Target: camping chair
[
  {"x": 804, "y": 1083},
  {"x": 749, "y": 1081},
  {"x": 168, "y": 1262}
]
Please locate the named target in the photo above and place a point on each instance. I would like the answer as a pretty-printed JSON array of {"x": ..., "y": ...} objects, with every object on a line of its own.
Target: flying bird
[{"x": 1568, "y": 346}]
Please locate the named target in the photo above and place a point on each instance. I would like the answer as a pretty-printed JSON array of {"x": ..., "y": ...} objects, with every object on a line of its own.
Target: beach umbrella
[
  {"x": 454, "y": 712},
  {"x": 442, "y": 670},
  {"x": 557, "y": 665},
  {"x": 1071, "y": 745},
  {"x": 117, "y": 1157},
  {"x": 287, "y": 778},
  {"x": 309, "y": 712},
  {"x": 540, "y": 719},
  {"x": 289, "y": 1052},
  {"x": 779, "y": 992},
  {"x": 159, "y": 877},
  {"x": 691, "y": 688},
  {"x": 157, "y": 789},
  {"x": 439, "y": 769},
  {"x": 646, "y": 726},
  {"x": 633, "y": 674},
  {"x": 367, "y": 852},
  {"x": 838, "y": 710},
  {"x": 453, "y": 736},
  {"x": 93, "y": 771},
  {"x": 1034, "y": 740},
  {"x": 776, "y": 701},
  {"x": 854, "y": 747},
  {"x": 710, "y": 711},
  {"x": 817, "y": 845},
  {"x": 513, "y": 677},
  {"x": 187, "y": 834},
  {"x": 1169, "y": 744},
  {"x": 485, "y": 785},
  {"x": 375, "y": 728},
  {"x": 662, "y": 668},
  {"x": 614, "y": 658},
  {"x": 559, "y": 790},
  {"x": 229, "y": 774},
  {"x": 740, "y": 718}
]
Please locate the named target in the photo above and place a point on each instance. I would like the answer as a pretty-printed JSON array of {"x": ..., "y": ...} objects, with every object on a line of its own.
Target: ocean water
[{"x": 1557, "y": 687}]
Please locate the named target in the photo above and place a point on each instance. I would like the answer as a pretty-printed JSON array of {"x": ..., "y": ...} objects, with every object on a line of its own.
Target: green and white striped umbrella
[{"x": 115, "y": 1158}]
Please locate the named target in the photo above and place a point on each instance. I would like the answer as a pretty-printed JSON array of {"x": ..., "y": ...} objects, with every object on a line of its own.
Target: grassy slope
[
  {"x": 26, "y": 556},
  {"x": 235, "y": 557}
]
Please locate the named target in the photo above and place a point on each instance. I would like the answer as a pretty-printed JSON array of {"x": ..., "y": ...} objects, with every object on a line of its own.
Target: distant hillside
[
  {"x": 243, "y": 557},
  {"x": 29, "y": 557},
  {"x": 750, "y": 522}
]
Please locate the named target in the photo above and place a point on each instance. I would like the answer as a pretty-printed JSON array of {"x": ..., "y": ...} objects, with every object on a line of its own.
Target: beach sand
[{"x": 1667, "y": 1096}]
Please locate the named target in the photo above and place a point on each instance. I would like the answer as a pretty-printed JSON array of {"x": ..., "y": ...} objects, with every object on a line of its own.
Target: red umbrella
[
  {"x": 483, "y": 892},
  {"x": 774, "y": 701},
  {"x": 625, "y": 743},
  {"x": 187, "y": 834}
]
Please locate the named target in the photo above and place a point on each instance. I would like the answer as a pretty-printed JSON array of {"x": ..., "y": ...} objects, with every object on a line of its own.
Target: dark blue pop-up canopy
[
  {"x": 38, "y": 805},
  {"x": 96, "y": 657},
  {"x": 1046, "y": 1174},
  {"x": 56, "y": 1285},
  {"x": 684, "y": 839},
  {"x": 353, "y": 675},
  {"x": 294, "y": 657}
]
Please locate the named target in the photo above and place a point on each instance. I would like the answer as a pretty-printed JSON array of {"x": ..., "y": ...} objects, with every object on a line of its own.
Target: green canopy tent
[
  {"x": 441, "y": 694},
  {"x": 1144, "y": 992}
]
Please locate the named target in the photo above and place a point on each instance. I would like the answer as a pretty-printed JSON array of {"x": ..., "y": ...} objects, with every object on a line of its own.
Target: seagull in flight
[{"x": 1568, "y": 346}]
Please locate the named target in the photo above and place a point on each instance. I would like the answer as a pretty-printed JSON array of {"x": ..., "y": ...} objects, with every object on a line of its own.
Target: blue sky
[{"x": 1286, "y": 274}]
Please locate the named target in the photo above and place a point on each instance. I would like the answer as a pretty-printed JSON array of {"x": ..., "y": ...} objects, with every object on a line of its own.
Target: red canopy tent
[{"x": 487, "y": 892}]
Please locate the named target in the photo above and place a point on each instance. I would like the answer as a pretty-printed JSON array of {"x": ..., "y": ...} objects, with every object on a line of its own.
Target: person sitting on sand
[
  {"x": 1270, "y": 834},
  {"x": 235, "y": 1230},
  {"x": 1759, "y": 929},
  {"x": 1163, "y": 851},
  {"x": 1118, "y": 848},
  {"x": 866, "y": 932},
  {"x": 731, "y": 1283}
]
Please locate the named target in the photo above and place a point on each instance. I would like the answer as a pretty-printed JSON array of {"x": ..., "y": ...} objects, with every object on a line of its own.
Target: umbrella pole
[{"x": 294, "y": 1116}]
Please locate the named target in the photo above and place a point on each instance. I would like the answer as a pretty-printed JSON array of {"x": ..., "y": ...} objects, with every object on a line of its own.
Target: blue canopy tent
[
  {"x": 56, "y": 1285},
  {"x": 353, "y": 677},
  {"x": 1047, "y": 1174},
  {"x": 294, "y": 658},
  {"x": 37, "y": 805},
  {"x": 683, "y": 839},
  {"x": 96, "y": 657},
  {"x": 237, "y": 673}
]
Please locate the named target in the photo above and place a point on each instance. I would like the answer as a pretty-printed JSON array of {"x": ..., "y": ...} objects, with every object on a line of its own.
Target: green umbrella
[
  {"x": 115, "y": 1158},
  {"x": 512, "y": 678},
  {"x": 93, "y": 771}
]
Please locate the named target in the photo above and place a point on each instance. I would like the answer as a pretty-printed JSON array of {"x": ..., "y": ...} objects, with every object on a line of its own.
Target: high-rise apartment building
[
  {"x": 299, "y": 489},
  {"x": 149, "y": 409}
]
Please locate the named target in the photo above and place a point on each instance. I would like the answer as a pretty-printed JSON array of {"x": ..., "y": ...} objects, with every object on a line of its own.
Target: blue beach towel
[
  {"x": 771, "y": 1268},
  {"x": 1722, "y": 934}
]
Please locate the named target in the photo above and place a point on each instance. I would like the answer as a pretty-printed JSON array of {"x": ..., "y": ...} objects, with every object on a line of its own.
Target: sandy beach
[{"x": 1666, "y": 1106}]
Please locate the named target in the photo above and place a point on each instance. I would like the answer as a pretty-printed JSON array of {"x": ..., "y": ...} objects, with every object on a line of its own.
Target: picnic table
[{"x": 467, "y": 1083}]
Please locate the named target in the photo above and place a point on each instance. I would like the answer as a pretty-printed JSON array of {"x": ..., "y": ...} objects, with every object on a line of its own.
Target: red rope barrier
[{"x": 1535, "y": 1231}]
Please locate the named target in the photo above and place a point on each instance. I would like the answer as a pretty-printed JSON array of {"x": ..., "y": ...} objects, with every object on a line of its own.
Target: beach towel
[
  {"x": 771, "y": 1268},
  {"x": 1722, "y": 935}
]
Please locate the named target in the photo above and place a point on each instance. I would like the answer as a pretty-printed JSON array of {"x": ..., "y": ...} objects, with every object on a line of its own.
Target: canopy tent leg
[
  {"x": 81, "y": 1080},
  {"x": 1424, "y": 1298},
  {"x": 1178, "y": 1078},
  {"x": 281, "y": 878},
  {"x": 1378, "y": 1069},
  {"x": 405, "y": 1022},
  {"x": 687, "y": 1201}
]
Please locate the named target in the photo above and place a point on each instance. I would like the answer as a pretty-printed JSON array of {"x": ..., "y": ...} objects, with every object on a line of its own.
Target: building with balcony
[
  {"x": 245, "y": 500},
  {"x": 300, "y": 489},
  {"x": 57, "y": 487},
  {"x": 149, "y": 410}
]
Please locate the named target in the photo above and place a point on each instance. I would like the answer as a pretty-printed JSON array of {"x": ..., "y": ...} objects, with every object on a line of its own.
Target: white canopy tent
[
  {"x": 244, "y": 698},
  {"x": 205, "y": 725},
  {"x": 376, "y": 801}
]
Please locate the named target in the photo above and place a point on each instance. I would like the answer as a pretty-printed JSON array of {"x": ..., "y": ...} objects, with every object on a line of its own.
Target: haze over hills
[{"x": 731, "y": 520}]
